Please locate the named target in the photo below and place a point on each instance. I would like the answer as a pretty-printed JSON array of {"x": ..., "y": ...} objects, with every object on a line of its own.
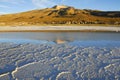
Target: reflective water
[{"x": 69, "y": 36}]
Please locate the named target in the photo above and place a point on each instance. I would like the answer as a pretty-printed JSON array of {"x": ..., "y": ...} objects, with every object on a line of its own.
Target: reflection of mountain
[
  {"x": 61, "y": 15},
  {"x": 59, "y": 41}
]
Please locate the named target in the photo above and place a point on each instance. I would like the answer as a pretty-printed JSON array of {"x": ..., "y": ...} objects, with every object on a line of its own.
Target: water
[
  {"x": 97, "y": 53},
  {"x": 67, "y": 36}
]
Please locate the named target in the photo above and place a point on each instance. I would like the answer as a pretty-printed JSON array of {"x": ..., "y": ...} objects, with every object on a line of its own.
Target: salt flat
[
  {"x": 59, "y": 28},
  {"x": 68, "y": 61}
]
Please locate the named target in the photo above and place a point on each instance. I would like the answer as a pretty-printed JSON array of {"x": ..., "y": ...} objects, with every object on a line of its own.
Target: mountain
[{"x": 61, "y": 14}]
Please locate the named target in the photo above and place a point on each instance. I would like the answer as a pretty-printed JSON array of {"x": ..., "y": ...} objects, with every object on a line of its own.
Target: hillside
[{"x": 62, "y": 15}]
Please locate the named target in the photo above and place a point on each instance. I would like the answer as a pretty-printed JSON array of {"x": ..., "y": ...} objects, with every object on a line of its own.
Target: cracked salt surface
[{"x": 78, "y": 60}]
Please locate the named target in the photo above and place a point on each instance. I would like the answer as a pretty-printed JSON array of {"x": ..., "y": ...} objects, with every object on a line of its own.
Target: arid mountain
[{"x": 62, "y": 15}]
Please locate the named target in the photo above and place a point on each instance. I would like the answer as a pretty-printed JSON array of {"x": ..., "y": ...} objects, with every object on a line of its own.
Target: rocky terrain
[
  {"x": 68, "y": 61},
  {"x": 61, "y": 14}
]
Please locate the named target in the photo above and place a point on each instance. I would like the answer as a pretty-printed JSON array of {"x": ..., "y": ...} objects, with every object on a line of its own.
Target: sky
[{"x": 15, "y": 6}]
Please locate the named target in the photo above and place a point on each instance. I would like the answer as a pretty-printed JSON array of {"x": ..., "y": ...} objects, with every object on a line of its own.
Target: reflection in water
[
  {"x": 61, "y": 37},
  {"x": 59, "y": 41}
]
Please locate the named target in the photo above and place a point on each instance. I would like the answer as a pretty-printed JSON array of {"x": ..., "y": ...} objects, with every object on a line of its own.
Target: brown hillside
[{"x": 61, "y": 15}]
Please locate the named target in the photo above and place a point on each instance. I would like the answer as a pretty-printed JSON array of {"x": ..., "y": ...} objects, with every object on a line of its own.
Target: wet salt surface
[
  {"x": 78, "y": 56},
  {"x": 72, "y": 61}
]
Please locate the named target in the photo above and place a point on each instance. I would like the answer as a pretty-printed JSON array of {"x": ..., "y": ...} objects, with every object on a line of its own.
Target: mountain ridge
[{"x": 62, "y": 14}]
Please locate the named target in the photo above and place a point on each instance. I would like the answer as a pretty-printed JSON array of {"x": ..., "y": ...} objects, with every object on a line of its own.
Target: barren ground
[{"x": 69, "y": 61}]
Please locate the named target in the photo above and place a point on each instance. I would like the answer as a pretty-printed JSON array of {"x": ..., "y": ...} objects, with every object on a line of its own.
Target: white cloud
[
  {"x": 4, "y": 6},
  {"x": 47, "y": 3},
  {"x": 43, "y": 3},
  {"x": 13, "y": 1},
  {"x": 2, "y": 13},
  {"x": 62, "y": 1}
]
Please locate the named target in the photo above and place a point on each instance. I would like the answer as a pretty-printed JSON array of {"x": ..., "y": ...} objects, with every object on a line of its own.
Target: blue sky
[{"x": 14, "y": 6}]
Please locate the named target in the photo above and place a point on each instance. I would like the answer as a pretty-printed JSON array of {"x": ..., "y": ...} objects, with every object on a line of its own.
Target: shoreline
[{"x": 59, "y": 29}]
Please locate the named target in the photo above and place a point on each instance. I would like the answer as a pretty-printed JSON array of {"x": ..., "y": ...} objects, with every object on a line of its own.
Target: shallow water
[
  {"x": 66, "y": 36},
  {"x": 87, "y": 55}
]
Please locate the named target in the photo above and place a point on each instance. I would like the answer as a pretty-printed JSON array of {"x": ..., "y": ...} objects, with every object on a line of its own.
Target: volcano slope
[{"x": 65, "y": 15}]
